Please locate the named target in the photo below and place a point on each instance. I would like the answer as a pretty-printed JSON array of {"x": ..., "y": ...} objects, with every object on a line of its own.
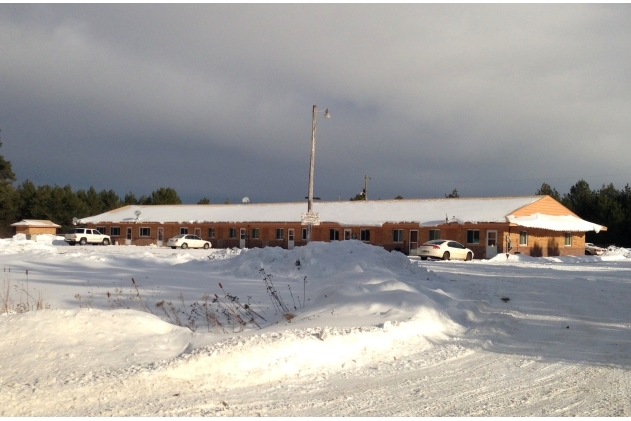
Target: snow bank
[
  {"x": 342, "y": 282},
  {"x": 51, "y": 346},
  {"x": 612, "y": 254},
  {"x": 320, "y": 260}
]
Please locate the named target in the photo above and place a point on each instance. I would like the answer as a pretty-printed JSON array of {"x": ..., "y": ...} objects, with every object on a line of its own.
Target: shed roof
[{"x": 425, "y": 212}]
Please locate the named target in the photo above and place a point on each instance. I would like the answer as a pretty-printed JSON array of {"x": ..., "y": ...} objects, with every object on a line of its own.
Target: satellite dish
[
  {"x": 137, "y": 213},
  {"x": 245, "y": 200},
  {"x": 74, "y": 220}
]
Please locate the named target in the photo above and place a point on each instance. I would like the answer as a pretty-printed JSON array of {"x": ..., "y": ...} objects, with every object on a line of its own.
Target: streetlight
[{"x": 311, "y": 218}]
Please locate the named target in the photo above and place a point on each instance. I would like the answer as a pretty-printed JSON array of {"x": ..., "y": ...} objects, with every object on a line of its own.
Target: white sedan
[
  {"x": 444, "y": 249},
  {"x": 593, "y": 250},
  {"x": 188, "y": 240}
]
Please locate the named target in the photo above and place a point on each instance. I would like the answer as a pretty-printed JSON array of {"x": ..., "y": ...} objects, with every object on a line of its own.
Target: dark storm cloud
[{"x": 215, "y": 100}]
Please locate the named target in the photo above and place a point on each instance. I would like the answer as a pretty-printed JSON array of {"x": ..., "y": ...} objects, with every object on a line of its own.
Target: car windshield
[
  {"x": 434, "y": 242},
  {"x": 180, "y": 236}
]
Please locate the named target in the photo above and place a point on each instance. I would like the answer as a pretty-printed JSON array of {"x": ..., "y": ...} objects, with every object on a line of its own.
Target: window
[
  {"x": 523, "y": 238},
  {"x": 568, "y": 238},
  {"x": 334, "y": 234},
  {"x": 183, "y": 230},
  {"x": 101, "y": 230},
  {"x": 255, "y": 233},
  {"x": 115, "y": 231},
  {"x": 280, "y": 233},
  {"x": 233, "y": 233},
  {"x": 145, "y": 232},
  {"x": 434, "y": 235},
  {"x": 211, "y": 233},
  {"x": 304, "y": 234},
  {"x": 397, "y": 236},
  {"x": 364, "y": 235},
  {"x": 473, "y": 236}
]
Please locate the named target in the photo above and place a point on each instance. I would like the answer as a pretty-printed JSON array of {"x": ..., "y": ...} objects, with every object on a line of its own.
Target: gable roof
[
  {"x": 40, "y": 223},
  {"x": 425, "y": 212}
]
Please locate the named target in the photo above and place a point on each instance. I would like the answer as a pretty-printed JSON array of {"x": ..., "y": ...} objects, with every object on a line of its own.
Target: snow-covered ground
[{"x": 364, "y": 332}]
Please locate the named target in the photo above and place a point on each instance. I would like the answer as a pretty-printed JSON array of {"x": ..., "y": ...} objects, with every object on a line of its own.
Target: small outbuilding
[{"x": 33, "y": 227}]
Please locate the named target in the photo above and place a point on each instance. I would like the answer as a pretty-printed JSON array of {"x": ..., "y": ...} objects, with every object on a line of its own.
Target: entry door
[
  {"x": 243, "y": 232},
  {"x": 413, "y": 240},
  {"x": 290, "y": 238},
  {"x": 491, "y": 244},
  {"x": 160, "y": 236},
  {"x": 348, "y": 234},
  {"x": 128, "y": 236}
]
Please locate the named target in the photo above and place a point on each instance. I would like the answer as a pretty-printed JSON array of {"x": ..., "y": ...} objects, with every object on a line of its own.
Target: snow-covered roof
[
  {"x": 375, "y": 213},
  {"x": 554, "y": 223},
  {"x": 36, "y": 223},
  {"x": 425, "y": 212}
]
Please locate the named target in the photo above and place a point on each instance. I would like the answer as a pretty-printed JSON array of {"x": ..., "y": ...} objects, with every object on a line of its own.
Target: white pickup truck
[{"x": 85, "y": 236}]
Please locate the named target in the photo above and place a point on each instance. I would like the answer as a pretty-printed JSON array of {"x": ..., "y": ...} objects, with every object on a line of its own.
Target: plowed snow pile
[{"x": 361, "y": 331}]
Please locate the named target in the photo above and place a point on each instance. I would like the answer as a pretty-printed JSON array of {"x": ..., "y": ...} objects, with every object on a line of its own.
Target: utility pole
[
  {"x": 311, "y": 217},
  {"x": 366, "y": 178}
]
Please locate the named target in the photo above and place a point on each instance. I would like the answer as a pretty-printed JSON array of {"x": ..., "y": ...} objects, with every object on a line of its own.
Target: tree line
[{"x": 62, "y": 204}]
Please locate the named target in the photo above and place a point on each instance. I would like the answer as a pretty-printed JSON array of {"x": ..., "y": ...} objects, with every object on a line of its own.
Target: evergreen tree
[
  {"x": 581, "y": 200},
  {"x": 65, "y": 205},
  {"x": 130, "y": 199},
  {"x": 453, "y": 195},
  {"x": 550, "y": 191},
  {"x": 8, "y": 197},
  {"x": 204, "y": 201},
  {"x": 27, "y": 195},
  {"x": 164, "y": 196},
  {"x": 6, "y": 172},
  {"x": 109, "y": 200}
]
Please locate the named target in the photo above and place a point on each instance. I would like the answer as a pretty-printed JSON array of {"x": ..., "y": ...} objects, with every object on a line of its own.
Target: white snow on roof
[
  {"x": 554, "y": 223},
  {"x": 35, "y": 223},
  {"x": 425, "y": 212}
]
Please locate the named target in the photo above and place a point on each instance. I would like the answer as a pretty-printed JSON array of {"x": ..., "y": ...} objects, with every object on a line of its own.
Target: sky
[{"x": 216, "y": 100}]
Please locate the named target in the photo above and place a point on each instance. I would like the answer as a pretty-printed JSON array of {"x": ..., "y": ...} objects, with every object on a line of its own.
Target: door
[
  {"x": 348, "y": 234},
  {"x": 160, "y": 236},
  {"x": 413, "y": 241},
  {"x": 290, "y": 238},
  {"x": 128, "y": 236},
  {"x": 243, "y": 233},
  {"x": 491, "y": 244}
]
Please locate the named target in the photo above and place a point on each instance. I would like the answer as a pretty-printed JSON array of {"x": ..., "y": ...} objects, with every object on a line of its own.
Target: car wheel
[
  {"x": 587, "y": 253},
  {"x": 206, "y": 246},
  {"x": 469, "y": 257},
  {"x": 83, "y": 242},
  {"x": 106, "y": 242},
  {"x": 424, "y": 258},
  {"x": 173, "y": 247},
  {"x": 184, "y": 246},
  {"x": 446, "y": 256}
]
